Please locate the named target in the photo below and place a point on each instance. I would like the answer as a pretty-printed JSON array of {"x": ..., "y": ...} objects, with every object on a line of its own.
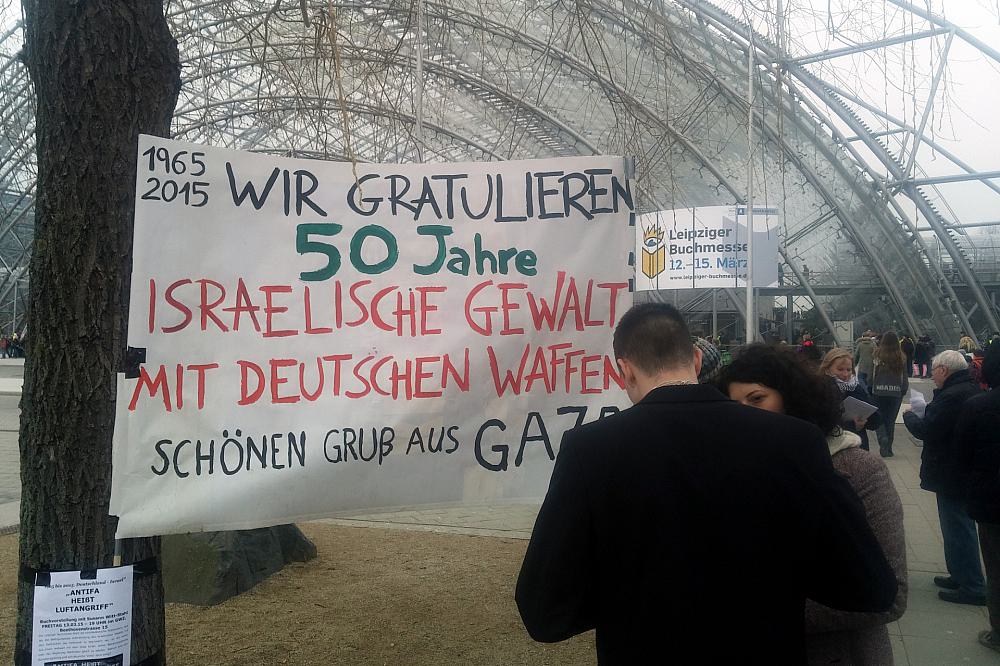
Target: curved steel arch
[
  {"x": 325, "y": 103},
  {"x": 817, "y": 87},
  {"x": 453, "y": 15},
  {"x": 568, "y": 130},
  {"x": 817, "y": 182},
  {"x": 446, "y": 71},
  {"x": 818, "y": 185}
]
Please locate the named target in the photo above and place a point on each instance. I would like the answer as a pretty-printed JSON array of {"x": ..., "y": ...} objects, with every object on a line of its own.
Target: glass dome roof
[{"x": 870, "y": 121}]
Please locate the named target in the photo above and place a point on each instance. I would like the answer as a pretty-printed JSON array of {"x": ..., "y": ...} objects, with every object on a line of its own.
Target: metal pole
[
  {"x": 812, "y": 295},
  {"x": 919, "y": 134},
  {"x": 751, "y": 318},
  {"x": 13, "y": 321},
  {"x": 715, "y": 314},
  {"x": 789, "y": 303}
]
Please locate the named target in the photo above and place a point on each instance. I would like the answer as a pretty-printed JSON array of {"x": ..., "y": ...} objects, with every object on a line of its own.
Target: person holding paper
[
  {"x": 838, "y": 365},
  {"x": 889, "y": 385},
  {"x": 775, "y": 380},
  {"x": 942, "y": 473},
  {"x": 689, "y": 528}
]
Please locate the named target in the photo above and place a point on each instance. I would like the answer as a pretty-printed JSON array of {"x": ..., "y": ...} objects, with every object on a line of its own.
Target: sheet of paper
[
  {"x": 83, "y": 621},
  {"x": 857, "y": 409},
  {"x": 918, "y": 403}
]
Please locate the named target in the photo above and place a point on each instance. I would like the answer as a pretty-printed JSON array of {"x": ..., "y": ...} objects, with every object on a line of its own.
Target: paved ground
[{"x": 930, "y": 633}]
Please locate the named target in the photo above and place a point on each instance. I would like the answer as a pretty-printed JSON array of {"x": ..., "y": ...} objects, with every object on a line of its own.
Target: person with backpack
[
  {"x": 864, "y": 350},
  {"x": 889, "y": 385}
]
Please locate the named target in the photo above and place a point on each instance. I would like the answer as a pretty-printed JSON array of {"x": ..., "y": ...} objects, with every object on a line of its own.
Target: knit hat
[{"x": 711, "y": 360}]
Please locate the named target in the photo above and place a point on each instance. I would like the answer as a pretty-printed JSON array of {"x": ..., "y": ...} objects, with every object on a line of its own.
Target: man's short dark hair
[{"x": 654, "y": 337}]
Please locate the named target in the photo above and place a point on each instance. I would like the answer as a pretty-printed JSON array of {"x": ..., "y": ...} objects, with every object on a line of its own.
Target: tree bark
[{"x": 103, "y": 72}]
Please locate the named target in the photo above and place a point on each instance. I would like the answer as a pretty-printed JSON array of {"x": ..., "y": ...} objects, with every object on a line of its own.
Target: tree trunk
[{"x": 103, "y": 72}]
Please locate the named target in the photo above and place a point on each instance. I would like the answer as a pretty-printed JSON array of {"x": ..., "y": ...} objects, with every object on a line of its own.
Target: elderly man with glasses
[{"x": 941, "y": 472}]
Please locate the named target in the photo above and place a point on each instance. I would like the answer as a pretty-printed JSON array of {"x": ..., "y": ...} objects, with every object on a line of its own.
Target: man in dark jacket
[
  {"x": 688, "y": 505},
  {"x": 978, "y": 437},
  {"x": 942, "y": 472}
]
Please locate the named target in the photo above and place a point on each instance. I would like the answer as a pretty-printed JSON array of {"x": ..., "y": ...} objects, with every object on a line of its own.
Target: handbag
[{"x": 887, "y": 386}]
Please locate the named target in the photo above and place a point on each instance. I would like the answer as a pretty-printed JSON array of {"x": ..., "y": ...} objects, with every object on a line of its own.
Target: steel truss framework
[{"x": 664, "y": 81}]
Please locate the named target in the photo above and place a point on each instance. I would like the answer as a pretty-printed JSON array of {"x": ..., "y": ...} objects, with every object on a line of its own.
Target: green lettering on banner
[
  {"x": 383, "y": 234},
  {"x": 303, "y": 246}
]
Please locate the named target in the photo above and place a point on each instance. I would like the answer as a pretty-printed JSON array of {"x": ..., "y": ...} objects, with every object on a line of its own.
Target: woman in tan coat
[{"x": 775, "y": 379}]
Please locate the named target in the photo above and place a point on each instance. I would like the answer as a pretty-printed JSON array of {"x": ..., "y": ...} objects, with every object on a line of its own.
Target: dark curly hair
[{"x": 807, "y": 395}]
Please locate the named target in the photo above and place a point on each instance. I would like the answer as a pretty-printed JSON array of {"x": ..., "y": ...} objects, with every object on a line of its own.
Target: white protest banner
[
  {"x": 315, "y": 343},
  {"x": 81, "y": 621},
  {"x": 705, "y": 248}
]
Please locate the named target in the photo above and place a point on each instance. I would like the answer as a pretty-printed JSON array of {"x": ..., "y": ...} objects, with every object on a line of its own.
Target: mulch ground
[{"x": 373, "y": 596}]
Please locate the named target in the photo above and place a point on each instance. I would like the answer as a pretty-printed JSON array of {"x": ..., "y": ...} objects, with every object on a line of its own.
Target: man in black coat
[
  {"x": 942, "y": 472},
  {"x": 978, "y": 438},
  {"x": 689, "y": 528}
]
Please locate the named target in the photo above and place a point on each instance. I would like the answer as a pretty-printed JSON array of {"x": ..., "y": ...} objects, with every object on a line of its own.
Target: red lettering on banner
[
  {"x": 462, "y": 381},
  {"x": 207, "y": 308},
  {"x": 152, "y": 305},
  {"x": 200, "y": 371},
  {"x": 361, "y": 378},
  {"x": 508, "y": 381},
  {"x": 612, "y": 373},
  {"x": 539, "y": 371},
  {"x": 361, "y": 306},
  {"x": 506, "y": 307},
  {"x": 311, "y": 397},
  {"x": 309, "y": 327},
  {"x": 553, "y": 366},
  {"x": 376, "y": 315},
  {"x": 337, "y": 359},
  {"x": 179, "y": 387},
  {"x": 270, "y": 309},
  {"x": 154, "y": 386},
  {"x": 243, "y": 305},
  {"x": 160, "y": 384},
  {"x": 374, "y": 376},
  {"x": 403, "y": 377},
  {"x": 419, "y": 375},
  {"x": 585, "y": 373},
  {"x": 168, "y": 296},
  {"x": 541, "y": 313},
  {"x": 248, "y": 398},
  {"x": 426, "y": 308},
  {"x": 277, "y": 380},
  {"x": 488, "y": 328},
  {"x": 614, "y": 288}
]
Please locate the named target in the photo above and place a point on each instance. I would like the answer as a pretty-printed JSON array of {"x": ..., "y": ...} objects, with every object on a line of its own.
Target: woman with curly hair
[{"x": 778, "y": 379}]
